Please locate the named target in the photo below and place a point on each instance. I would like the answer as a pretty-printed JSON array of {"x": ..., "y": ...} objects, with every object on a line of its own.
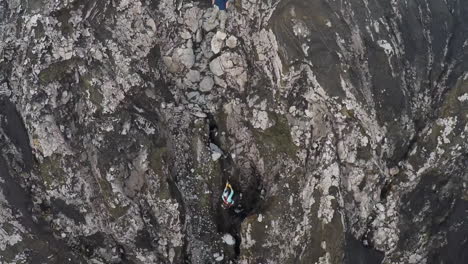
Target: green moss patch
[
  {"x": 107, "y": 193},
  {"x": 157, "y": 158},
  {"x": 276, "y": 139},
  {"x": 156, "y": 162},
  {"x": 95, "y": 95},
  {"x": 452, "y": 106},
  {"x": 57, "y": 71},
  {"x": 51, "y": 171}
]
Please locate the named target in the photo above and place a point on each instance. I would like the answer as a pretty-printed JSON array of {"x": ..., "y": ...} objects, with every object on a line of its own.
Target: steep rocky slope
[{"x": 341, "y": 124}]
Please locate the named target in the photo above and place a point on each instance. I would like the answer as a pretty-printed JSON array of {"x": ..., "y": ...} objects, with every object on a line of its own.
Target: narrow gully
[{"x": 230, "y": 220}]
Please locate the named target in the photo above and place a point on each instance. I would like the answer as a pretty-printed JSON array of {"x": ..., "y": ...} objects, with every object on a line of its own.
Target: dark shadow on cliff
[
  {"x": 357, "y": 253},
  {"x": 454, "y": 251},
  {"x": 14, "y": 128}
]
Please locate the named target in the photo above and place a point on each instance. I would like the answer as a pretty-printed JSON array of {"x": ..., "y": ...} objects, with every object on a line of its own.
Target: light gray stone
[
  {"x": 185, "y": 34},
  {"x": 192, "y": 96},
  {"x": 226, "y": 61},
  {"x": 185, "y": 56},
  {"x": 206, "y": 84},
  {"x": 199, "y": 114},
  {"x": 221, "y": 35},
  {"x": 189, "y": 44},
  {"x": 216, "y": 68},
  {"x": 220, "y": 82},
  {"x": 210, "y": 20},
  {"x": 193, "y": 76},
  {"x": 231, "y": 42},
  {"x": 215, "y": 156},
  {"x": 170, "y": 64},
  {"x": 217, "y": 42},
  {"x": 198, "y": 36},
  {"x": 192, "y": 18},
  {"x": 216, "y": 152}
]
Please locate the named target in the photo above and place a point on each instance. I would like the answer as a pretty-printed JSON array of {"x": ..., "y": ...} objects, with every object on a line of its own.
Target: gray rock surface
[
  {"x": 216, "y": 67},
  {"x": 217, "y": 42},
  {"x": 341, "y": 126},
  {"x": 206, "y": 84},
  {"x": 231, "y": 42},
  {"x": 193, "y": 76}
]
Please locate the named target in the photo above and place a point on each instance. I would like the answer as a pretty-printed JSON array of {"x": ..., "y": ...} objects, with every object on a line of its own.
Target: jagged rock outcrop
[{"x": 341, "y": 125}]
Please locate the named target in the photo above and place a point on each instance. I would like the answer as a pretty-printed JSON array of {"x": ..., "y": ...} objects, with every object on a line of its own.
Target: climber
[
  {"x": 227, "y": 196},
  {"x": 219, "y": 11}
]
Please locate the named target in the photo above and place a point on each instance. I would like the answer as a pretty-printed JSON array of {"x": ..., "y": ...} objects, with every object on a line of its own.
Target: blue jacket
[{"x": 221, "y": 4}]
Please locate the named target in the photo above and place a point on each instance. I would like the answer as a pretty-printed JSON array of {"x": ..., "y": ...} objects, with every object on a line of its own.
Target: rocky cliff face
[{"x": 341, "y": 125}]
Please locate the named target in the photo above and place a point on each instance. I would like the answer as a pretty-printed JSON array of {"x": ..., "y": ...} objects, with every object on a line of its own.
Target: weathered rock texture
[{"x": 342, "y": 126}]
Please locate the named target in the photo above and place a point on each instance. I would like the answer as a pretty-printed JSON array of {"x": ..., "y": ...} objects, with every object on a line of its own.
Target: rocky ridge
[{"x": 342, "y": 126}]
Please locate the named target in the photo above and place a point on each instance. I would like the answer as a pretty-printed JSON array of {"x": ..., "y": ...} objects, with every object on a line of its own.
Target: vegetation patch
[
  {"x": 51, "y": 171},
  {"x": 36, "y": 246},
  {"x": 452, "y": 105},
  {"x": 349, "y": 113},
  {"x": 106, "y": 190},
  {"x": 276, "y": 139},
  {"x": 157, "y": 158},
  {"x": 156, "y": 162},
  {"x": 63, "y": 16},
  {"x": 57, "y": 71},
  {"x": 364, "y": 152},
  {"x": 95, "y": 95}
]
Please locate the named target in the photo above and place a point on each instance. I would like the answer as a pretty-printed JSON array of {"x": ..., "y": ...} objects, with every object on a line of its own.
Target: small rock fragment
[
  {"x": 189, "y": 43},
  {"x": 216, "y": 152},
  {"x": 228, "y": 239},
  {"x": 231, "y": 42},
  {"x": 217, "y": 42},
  {"x": 226, "y": 62},
  {"x": 394, "y": 171},
  {"x": 216, "y": 68},
  {"x": 170, "y": 64},
  {"x": 199, "y": 114},
  {"x": 185, "y": 56},
  {"x": 185, "y": 34},
  {"x": 210, "y": 22},
  {"x": 260, "y": 120},
  {"x": 191, "y": 18},
  {"x": 198, "y": 36},
  {"x": 150, "y": 23},
  {"x": 220, "y": 82},
  {"x": 219, "y": 258},
  {"x": 150, "y": 93},
  {"x": 380, "y": 207},
  {"x": 193, "y": 96},
  {"x": 215, "y": 156},
  {"x": 206, "y": 84},
  {"x": 193, "y": 76}
]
